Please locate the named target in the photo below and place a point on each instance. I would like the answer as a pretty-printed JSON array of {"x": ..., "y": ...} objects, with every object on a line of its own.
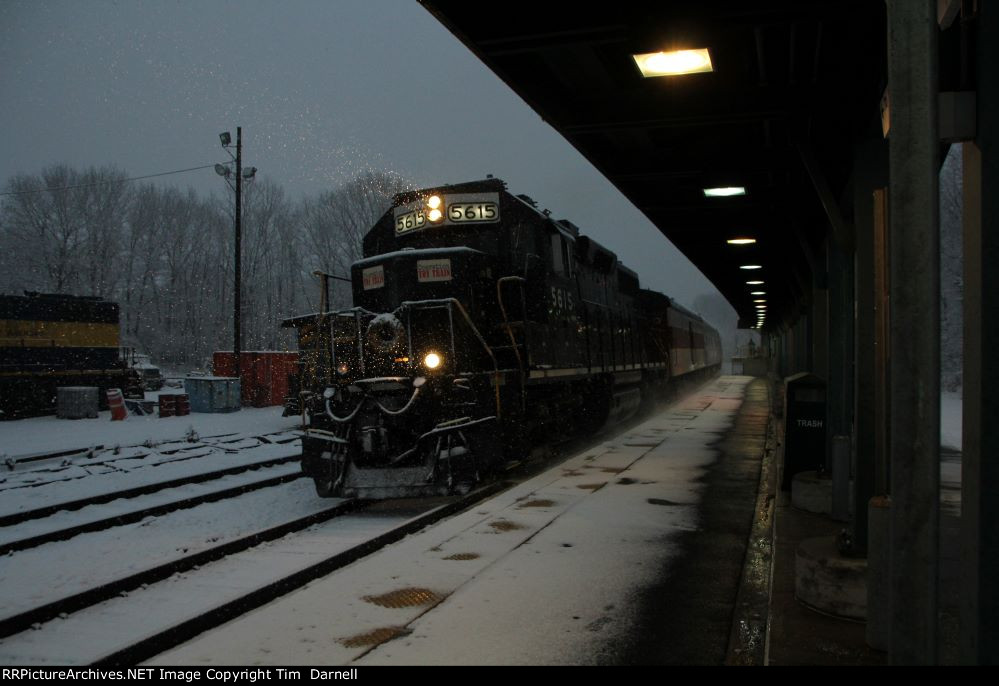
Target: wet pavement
[{"x": 687, "y": 616}]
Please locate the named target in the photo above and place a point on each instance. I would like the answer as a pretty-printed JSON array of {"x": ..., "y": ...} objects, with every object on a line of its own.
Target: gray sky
[{"x": 323, "y": 89}]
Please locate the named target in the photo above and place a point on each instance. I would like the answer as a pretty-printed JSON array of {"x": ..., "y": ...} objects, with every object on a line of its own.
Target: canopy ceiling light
[
  {"x": 724, "y": 191},
  {"x": 740, "y": 241},
  {"x": 674, "y": 63}
]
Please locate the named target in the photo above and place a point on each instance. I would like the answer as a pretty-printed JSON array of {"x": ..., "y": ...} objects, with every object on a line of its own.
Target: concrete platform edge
[{"x": 749, "y": 638}]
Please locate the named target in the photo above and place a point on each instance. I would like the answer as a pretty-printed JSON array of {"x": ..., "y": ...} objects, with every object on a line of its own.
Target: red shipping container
[{"x": 263, "y": 374}]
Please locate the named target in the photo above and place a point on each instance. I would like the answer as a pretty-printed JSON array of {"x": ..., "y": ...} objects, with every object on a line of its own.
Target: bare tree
[
  {"x": 334, "y": 224},
  {"x": 166, "y": 256}
]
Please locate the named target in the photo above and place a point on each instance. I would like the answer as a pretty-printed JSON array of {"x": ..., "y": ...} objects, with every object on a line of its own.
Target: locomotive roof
[{"x": 487, "y": 184}]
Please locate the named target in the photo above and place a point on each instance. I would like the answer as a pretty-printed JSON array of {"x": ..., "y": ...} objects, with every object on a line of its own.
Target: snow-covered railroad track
[
  {"x": 117, "y": 493},
  {"x": 37, "y": 531},
  {"x": 122, "y": 627},
  {"x": 22, "y": 620},
  {"x": 39, "y": 469}
]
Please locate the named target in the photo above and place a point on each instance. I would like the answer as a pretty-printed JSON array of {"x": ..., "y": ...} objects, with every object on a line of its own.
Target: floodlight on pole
[{"x": 226, "y": 139}]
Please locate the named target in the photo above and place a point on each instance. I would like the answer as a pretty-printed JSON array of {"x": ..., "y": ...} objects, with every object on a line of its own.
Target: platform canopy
[{"x": 792, "y": 86}]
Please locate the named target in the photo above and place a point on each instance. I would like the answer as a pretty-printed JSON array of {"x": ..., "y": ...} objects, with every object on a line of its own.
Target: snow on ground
[
  {"x": 47, "y": 434},
  {"x": 543, "y": 573},
  {"x": 54, "y": 570},
  {"x": 950, "y": 420},
  {"x": 64, "y": 519},
  {"x": 86, "y": 636},
  {"x": 30, "y": 490}
]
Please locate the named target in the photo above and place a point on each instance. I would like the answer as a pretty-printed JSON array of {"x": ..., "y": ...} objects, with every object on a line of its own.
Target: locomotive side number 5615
[{"x": 472, "y": 212}]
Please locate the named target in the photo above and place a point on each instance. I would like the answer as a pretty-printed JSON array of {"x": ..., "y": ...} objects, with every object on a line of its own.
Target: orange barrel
[
  {"x": 183, "y": 404},
  {"x": 168, "y": 405},
  {"x": 116, "y": 401}
]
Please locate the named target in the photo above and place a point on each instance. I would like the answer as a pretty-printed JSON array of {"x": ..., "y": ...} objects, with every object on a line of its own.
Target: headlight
[
  {"x": 436, "y": 208},
  {"x": 432, "y": 361}
]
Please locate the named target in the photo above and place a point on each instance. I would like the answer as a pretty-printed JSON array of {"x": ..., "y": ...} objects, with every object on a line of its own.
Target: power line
[{"x": 107, "y": 183}]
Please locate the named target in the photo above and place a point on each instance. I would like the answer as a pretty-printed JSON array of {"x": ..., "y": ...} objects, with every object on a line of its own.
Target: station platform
[
  {"x": 655, "y": 546},
  {"x": 630, "y": 551}
]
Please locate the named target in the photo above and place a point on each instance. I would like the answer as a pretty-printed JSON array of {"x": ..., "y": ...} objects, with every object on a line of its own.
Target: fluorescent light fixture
[
  {"x": 751, "y": 266},
  {"x": 758, "y": 293},
  {"x": 740, "y": 241},
  {"x": 759, "y": 301},
  {"x": 754, "y": 283},
  {"x": 674, "y": 62},
  {"x": 724, "y": 191}
]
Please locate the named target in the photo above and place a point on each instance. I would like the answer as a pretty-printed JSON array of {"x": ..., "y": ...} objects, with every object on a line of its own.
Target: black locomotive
[{"x": 479, "y": 326}]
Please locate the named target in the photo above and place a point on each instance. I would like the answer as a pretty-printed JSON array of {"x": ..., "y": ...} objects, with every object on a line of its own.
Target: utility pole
[
  {"x": 239, "y": 245},
  {"x": 222, "y": 170}
]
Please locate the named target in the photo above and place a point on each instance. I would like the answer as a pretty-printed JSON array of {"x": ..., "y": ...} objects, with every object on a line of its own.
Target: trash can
[{"x": 804, "y": 426}]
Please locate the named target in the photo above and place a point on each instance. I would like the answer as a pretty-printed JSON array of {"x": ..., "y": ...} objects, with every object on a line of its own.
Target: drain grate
[
  {"x": 463, "y": 556},
  {"x": 504, "y": 525},
  {"x": 374, "y": 637},
  {"x": 404, "y": 597}
]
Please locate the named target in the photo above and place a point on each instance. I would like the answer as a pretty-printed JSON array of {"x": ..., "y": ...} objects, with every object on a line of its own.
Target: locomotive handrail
[
  {"x": 475, "y": 330},
  {"x": 509, "y": 330},
  {"x": 444, "y": 427}
]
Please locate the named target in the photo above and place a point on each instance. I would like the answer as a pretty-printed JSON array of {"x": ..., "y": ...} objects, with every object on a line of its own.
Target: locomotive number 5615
[{"x": 472, "y": 212}]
